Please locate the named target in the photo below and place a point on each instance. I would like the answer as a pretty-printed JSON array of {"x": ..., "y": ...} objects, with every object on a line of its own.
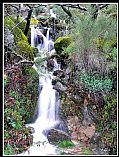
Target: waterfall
[
  {"x": 48, "y": 104},
  {"x": 42, "y": 42}
]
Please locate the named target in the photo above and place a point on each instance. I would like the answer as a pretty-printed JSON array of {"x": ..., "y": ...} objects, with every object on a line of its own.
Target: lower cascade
[
  {"x": 47, "y": 109},
  {"x": 47, "y": 118}
]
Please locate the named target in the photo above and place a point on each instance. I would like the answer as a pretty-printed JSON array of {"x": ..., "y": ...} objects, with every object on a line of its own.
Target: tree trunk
[{"x": 28, "y": 22}]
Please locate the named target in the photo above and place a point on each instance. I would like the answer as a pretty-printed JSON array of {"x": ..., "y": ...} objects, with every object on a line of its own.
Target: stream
[{"x": 48, "y": 100}]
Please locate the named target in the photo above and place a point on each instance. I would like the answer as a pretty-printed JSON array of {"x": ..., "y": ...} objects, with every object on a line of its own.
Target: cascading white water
[
  {"x": 46, "y": 44},
  {"x": 47, "y": 108}
]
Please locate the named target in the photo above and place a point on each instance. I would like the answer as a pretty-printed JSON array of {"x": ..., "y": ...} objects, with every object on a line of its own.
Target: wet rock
[
  {"x": 55, "y": 136},
  {"x": 50, "y": 64},
  {"x": 60, "y": 87},
  {"x": 8, "y": 39},
  {"x": 63, "y": 122},
  {"x": 59, "y": 73},
  {"x": 95, "y": 138}
]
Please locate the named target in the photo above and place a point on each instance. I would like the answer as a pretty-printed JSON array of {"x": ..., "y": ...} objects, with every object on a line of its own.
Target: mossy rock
[
  {"x": 17, "y": 32},
  {"x": 30, "y": 89},
  {"x": 62, "y": 42},
  {"x": 24, "y": 49},
  {"x": 19, "y": 35},
  {"x": 22, "y": 25},
  {"x": 8, "y": 22}
]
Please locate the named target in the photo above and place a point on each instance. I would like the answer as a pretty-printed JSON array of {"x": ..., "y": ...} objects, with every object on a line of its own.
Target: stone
[
  {"x": 95, "y": 139},
  {"x": 62, "y": 42},
  {"x": 55, "y": 136},
  {"x": 89, "y": 131},
  {"x": 74, "y": 136},
  {"x": 50, "y": 64},
  {"x": 59, "y": 73},
  {"x": 8, "y": 39},
  {"x": 59, "y": 87}
]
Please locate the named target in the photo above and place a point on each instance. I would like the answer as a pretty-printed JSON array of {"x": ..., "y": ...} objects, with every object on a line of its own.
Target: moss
[
  {"x": 66, "y": 143},
  {"x": 31, "y": 89},
  {"x": 22, "y": 25},
  {"x": 24, "y": 49},
  {"x": 33, "y": 21},
  {"x": 62, "y": 42},
  {"x": 8, "y": 22},
  {"x": 19, "y": 35},
  {"x": 17, "y": 32}
]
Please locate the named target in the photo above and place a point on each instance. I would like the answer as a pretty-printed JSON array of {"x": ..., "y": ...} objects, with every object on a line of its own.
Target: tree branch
[
  {"x": 14, "y": 7},
  {"x": 81, "y": 8},
  {"x": 18, "y": 24},
  {"x": 66, "y": 11},
  {"x": 102, "y": 6}
]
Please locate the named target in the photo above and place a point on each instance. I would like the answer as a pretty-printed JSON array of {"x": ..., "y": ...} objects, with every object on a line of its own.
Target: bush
[
  {"x": 96, "y": 84},
  {"x": 93, "y": 40},
  {"x": 18, "y": 141},
  {"x": 108, "y": 123},
  {"x": 20, "y": 103}
]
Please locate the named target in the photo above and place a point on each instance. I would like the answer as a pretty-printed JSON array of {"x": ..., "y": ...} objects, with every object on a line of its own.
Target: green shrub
[
  {"x": 66, "y": 143},
  {"x": 108, "y": 123},
  {"x": 93, "y": 40},
  {"x": 96, "y": 84},
  {"x": 86, "y": 151},
  {"x": 12, "y": 119}
]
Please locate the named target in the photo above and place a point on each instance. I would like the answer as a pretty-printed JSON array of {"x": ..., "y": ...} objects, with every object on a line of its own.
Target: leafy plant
[
  {"x": 66, "y": 143},
  {"x": 108, "y": 123},
  {"x": 86, "y": 151},
  {"x": 93, "y": 40},
  {"x": 96, "y": 84},
  {"x": 8, "y": 150}
]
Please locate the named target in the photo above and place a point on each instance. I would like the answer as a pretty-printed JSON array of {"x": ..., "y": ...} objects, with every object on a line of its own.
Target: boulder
[
  {"x": 61, "y": 43},
  {"x": 55, "y": 136},
  {"x": 59, "y": 73},
  {"x": 60, "y": 87},
  {"x": 8, "y": 39}
]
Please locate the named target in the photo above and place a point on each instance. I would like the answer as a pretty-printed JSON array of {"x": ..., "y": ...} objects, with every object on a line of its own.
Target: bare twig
[{"x": 18, "y": 23}]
